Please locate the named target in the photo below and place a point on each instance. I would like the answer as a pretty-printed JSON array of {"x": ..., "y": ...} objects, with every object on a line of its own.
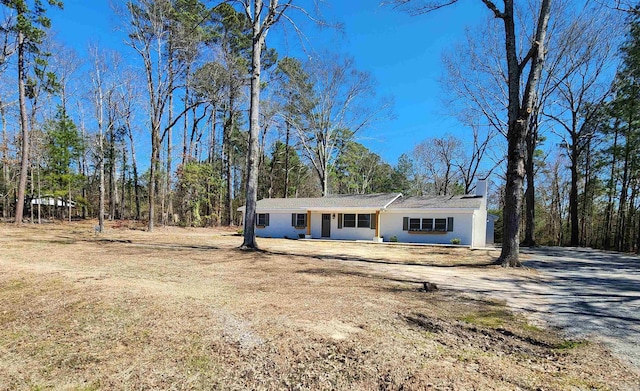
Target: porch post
[
  {"x": 308, "y": 225},
  {"x": 377, "y": 238}
]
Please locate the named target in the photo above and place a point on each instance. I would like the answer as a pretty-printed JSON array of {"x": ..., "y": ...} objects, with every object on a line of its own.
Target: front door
[{"x": 326, "y": 225}]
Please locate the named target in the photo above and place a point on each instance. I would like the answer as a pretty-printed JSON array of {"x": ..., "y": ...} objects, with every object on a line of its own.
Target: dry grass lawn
[{"x": 183, "y": 309}]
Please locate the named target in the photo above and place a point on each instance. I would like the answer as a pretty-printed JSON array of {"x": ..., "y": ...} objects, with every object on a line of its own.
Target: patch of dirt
[{"x": 185, "y": 309}]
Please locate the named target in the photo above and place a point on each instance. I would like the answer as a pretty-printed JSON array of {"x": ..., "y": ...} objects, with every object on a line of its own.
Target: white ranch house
[{"x": 377, "y": 217}]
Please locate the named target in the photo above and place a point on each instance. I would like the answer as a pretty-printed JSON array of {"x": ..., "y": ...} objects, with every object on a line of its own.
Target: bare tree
[
  {"x": 435, "y": 160},
  {"x": 65, "y": 63},
  {"x": 129, "y": 94},
  {"x": 5, "y": 53},
  {"x": 147, "y": 27},
  {"x": 261, "y": 16},
  {"x": 343, "y": 103},
  {"x": 582, "y": 83},
  {"x": 628, "y": 6},
  {"x": 474, "y": 79},
  {"x": 470, "y": 163},
  {"x": 521, "y": 98},
  {"x": 98, "y": 102}
]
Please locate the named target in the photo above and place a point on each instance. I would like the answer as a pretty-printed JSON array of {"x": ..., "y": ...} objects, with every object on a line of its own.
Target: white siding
[
  {"x": 340, "y": 233},
  {"x": 469, "y": 226},
  {"x": 391, "y": 225},
  {"x": 480, "y": 228},
  {"x": 352, "y": 233},
  {"x": 280, "y": 225}
]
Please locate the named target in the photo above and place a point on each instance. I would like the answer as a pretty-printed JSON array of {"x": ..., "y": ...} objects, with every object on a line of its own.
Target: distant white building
[
  {"x": 377, "y": 217},
  {"x": 52, "y": 201}
]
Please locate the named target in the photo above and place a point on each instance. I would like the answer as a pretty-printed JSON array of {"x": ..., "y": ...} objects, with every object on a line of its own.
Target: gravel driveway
[
  {"x": 591, "y": 293},
  {"x": 586, "y": 292}
]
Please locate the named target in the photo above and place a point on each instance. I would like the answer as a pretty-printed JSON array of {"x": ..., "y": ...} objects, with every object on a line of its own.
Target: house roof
[
  {"x": 371, "y": 201},
  {"x": 362, "y": 201},
  {"x": 438, "y": 202}
]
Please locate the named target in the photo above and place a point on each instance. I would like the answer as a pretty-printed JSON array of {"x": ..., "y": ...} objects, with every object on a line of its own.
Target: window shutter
[
  {"x": 373, "y": 221},
  {"x": 266, "y": 220},
  {"x": 293, "y": 219},
  {"x": 405, "y": 223},
  {"x": 339, "y": 220},
  {"x": 450, "y": 224}
]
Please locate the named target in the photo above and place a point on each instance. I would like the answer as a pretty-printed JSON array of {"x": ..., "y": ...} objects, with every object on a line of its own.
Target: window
[
  {"x": 262, "y": 219},
  {"x": 349, "y": 221},
  {"x": 299, "y": 220},
  {"x": 353, "y": 220},
  {"x": 420, "y": 224},
  {"x": 441, "y": 225},
  {"x": 427, "y": 224},
  {"x": 364, "y": 221}
]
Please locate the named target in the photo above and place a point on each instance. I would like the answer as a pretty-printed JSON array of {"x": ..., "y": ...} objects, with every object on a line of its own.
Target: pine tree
[{"x": 30, "y": 30}]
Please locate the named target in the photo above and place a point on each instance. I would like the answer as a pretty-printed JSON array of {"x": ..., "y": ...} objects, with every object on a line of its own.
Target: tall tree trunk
[
  {"x": 39, "y": 197},
  {"x": 167, "y": 183},
  {"x": 611, "y": 191},
  {"x": 31, "y": 183},
  {"x": 587, "y": 199},
  {"x": 630, "y": 221},
  {"x": 638, "y": 235},
  {"x": 155, "y": 141},
  {"x": 254, "y": 131},
  {"x": 513, "y": 198},
  {"x": 516, "y": 134},
  {"x": 325, "y": 180},
  {"x": 112, "y": 172},
  {"x": 518, "y": 121},
  {"x": 530, "y": 192},
  {"x": 622, "y": 206},
  {"x": 124, "y": 181},
  {"x": 97, "y": 80},
  {"x": 134, "y": 166},
  {"x": 228, "y": 159},
  {"x": 69, "y": 200},
  {"x": 83, "y": 172},
  {"x": 102, "y": 190},
  {"x": 5, "y": 162},
  {"x": 185, "y": 132},
  {"x": 286, "y": 159},
  {"x": 573, "y": 194},
  {"x": 24, "y": 126}
]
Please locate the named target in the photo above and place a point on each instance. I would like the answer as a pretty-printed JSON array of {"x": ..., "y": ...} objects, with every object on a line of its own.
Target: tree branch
[
  {"x": 429, "y": 6},
  {"x": 498, "y": 14}
]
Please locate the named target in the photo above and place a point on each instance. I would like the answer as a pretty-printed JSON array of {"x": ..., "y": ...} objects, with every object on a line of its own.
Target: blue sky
[{"x": 402, "y": 52}]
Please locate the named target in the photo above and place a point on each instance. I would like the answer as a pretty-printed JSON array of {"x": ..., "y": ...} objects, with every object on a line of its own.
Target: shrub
[
  {"x": 394, "y": 238},
  {"x": 455, "y": 241}
]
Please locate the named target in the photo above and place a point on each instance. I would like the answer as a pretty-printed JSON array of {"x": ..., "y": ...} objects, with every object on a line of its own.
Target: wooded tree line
[
  {"x": 73, "y": 128},
  {"x": 192, "y": 96}
]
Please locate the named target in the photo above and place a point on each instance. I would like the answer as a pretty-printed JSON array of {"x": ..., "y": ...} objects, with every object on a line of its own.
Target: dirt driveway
[{"x": 587, "y": 293}]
